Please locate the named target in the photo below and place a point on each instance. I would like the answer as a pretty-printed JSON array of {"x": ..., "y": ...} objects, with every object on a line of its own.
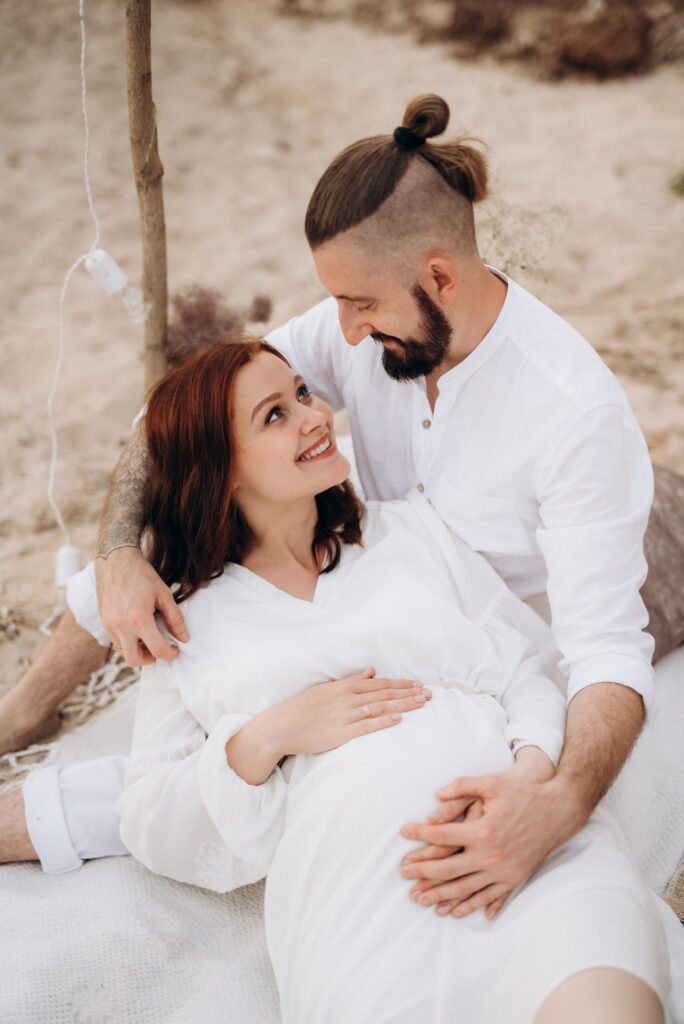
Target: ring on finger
[{"x": 367, "y": 711}]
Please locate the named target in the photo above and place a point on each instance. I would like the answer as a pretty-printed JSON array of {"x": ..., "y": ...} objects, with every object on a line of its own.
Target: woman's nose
[{"x": 314, "y": 416}]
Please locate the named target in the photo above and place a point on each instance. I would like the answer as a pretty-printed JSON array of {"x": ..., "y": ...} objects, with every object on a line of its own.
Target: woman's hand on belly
[{"x": 322, "y": 717}]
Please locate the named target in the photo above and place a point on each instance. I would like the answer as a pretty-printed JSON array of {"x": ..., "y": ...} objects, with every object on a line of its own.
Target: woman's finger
[
  {"x": 375, "y": 709},
  {"x": 365, "y": 725},
  {"x": 388, "y": 693},
  {"x": 371, "y": 684}
]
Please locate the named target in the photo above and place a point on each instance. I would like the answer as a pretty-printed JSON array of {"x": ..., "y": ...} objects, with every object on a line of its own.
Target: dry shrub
[
  {"x": 613, "y": 43},
  {"x": 479, "y": 25},
  {"x": 201, "y": 318}
]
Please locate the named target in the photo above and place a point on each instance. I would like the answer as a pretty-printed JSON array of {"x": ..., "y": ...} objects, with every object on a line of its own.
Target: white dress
[{"x": 347, "y": 943}]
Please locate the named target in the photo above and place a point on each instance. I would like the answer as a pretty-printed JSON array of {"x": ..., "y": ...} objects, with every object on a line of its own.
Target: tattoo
[{"x": 122, "y": 516}]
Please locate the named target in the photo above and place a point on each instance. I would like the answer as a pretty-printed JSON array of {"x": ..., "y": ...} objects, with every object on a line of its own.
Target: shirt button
[
  {"x": 427, "y": 424},
  {"x": 420, "y": 488}
]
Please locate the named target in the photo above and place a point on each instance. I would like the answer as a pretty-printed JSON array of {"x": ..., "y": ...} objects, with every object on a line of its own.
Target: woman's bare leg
[
  {"x": 29, "y": 711},
  {"x": 603, "y": 995},
  {"x": 15, "y": 843}
]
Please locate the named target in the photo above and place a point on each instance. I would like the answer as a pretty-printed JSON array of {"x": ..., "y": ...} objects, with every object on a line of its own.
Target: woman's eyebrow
[
  {"x": 274, "y": 397},
  {"x": 265, "y": 401}
]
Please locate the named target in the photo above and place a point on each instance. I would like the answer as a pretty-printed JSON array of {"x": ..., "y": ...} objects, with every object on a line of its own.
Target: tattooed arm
[{"x": 129, "y": 591}]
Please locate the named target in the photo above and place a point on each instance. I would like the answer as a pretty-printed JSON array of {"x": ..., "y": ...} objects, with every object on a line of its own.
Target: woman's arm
[
  {"x": 532, "y": 693},
  {"x": 320, "y": 718},
  {"x": 167, "y": 820},
  {"x": 192, "y": 798}
]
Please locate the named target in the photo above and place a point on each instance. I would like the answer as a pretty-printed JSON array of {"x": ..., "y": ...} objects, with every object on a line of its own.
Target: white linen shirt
[
  {"x": 532, "y": 456},
  {"x": 186, "y": 814}
]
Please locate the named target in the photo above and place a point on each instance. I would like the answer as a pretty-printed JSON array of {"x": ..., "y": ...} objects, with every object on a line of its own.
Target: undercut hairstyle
[
  {"x": 408, "y": 185},
  {"x": 192, "y": 521}
]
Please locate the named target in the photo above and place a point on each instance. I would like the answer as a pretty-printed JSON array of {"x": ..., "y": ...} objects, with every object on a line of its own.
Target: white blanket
[{"x": 113, "y": 943}]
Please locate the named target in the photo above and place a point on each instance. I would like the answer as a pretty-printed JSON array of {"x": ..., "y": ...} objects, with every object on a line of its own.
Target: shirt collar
[{"x": 498, "y": 332}]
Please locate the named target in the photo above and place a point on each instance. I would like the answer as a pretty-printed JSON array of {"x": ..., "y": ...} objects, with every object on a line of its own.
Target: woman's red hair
[{"x": 192, "y": 521}]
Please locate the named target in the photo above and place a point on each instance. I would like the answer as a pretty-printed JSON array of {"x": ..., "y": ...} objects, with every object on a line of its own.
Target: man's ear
[{"x": 442, "y": 275}]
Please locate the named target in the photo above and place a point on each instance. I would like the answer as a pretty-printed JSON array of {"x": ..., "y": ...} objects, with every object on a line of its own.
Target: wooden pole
[{"x": 148, "y": 172}]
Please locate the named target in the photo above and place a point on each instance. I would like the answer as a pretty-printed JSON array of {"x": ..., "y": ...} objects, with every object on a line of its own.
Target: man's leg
[
  {"x": 64, "y": 814},
  {"x": 30, "y": 709},
  {"x": 15, "y": 842}
]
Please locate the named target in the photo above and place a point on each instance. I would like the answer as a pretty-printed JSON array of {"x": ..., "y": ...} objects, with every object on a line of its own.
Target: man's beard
[{"x": 418, "y": 358}]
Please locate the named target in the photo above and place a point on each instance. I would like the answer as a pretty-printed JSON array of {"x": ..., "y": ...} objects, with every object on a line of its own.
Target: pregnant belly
[{"x": 335, "y": 883}]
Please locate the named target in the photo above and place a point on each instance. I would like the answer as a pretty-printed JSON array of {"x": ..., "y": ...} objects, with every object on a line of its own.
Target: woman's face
[{"x": 284, "y": 439}]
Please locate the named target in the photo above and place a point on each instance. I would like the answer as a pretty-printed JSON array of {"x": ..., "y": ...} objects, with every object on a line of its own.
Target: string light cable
[{"x": 114, "y": 280}]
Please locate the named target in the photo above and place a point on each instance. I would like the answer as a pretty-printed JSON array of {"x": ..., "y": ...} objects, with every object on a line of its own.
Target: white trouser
[{"x": 70, "y": 810}]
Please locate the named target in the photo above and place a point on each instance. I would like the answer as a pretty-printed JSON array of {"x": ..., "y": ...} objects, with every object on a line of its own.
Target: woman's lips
[{"x": 323, "y": 449}]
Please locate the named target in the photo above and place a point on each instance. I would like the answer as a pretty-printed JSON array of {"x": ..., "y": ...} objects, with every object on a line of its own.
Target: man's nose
[{"x": 355, "y": 325}]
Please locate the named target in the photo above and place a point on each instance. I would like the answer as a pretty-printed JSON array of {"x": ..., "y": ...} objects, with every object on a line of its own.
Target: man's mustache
[{"x": 386, "y": 337}]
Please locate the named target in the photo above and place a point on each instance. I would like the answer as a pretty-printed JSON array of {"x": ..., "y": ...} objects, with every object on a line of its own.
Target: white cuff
[
  {"x": 634, "y": 672},
  {"x": 82, "y": 600},
  {"x": 70, "y": 812},
  {"x": 46, "y": 824},
  {"x": 530, "y": 732},
  {"x": 89, "y": 792}
]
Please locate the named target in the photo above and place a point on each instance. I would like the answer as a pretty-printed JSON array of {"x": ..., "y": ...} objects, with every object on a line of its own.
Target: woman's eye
[
  {"x": 303, "y": 392},
  {"x": 275, "y": 414},
  {"x": 364, "y": 309}
]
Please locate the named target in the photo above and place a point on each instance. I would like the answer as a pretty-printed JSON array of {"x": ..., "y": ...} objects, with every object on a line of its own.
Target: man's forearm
[
  {"x": 122, "y": 516},
  {"x": 603, "y": 722}
]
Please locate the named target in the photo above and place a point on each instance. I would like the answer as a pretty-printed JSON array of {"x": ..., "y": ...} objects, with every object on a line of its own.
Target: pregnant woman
[{"x": 344, "y": 664}]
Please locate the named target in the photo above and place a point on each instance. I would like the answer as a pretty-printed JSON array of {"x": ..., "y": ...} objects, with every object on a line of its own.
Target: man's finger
[
  {"x": 462, "y": 789},
  {"x": 430, "y": 852},
  {"x": 480, "y": 899},
  {"x": 132, "y": 652},
  {"x": 450, "y": 810},
  {"x": 442, "y": 869},
  {"x": 494, "y": 908},
  {"x": 449, "y": 834},
  {"x": 459, "y": 891},
  {"x": 420, "y": 887},
  {"x": 145, "y": 656},
  {"x": 149, "y": 636},
  {"x": 173, "y": 616}
]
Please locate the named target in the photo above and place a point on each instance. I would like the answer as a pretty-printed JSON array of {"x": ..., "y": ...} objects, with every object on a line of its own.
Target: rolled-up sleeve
[{"x": 595, "y": 491}]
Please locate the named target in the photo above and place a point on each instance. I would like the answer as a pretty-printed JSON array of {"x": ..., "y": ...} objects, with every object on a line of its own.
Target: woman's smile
[{"x": 322, "y": 449}]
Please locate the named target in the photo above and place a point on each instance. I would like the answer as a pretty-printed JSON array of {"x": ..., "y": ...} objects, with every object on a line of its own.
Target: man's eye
[{"x": 364, "y": 309}]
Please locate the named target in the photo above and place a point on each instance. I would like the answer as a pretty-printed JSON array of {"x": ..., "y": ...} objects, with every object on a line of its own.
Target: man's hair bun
[{"x": 426, "y": 116}]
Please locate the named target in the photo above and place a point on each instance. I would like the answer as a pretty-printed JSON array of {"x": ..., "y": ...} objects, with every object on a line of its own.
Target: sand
[{"x": 252, "y": 104}]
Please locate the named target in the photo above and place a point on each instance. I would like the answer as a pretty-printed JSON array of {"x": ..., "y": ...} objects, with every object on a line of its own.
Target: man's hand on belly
[
  {"x": 513, "y": 819},
  {"x": 526, "y": 812}
]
